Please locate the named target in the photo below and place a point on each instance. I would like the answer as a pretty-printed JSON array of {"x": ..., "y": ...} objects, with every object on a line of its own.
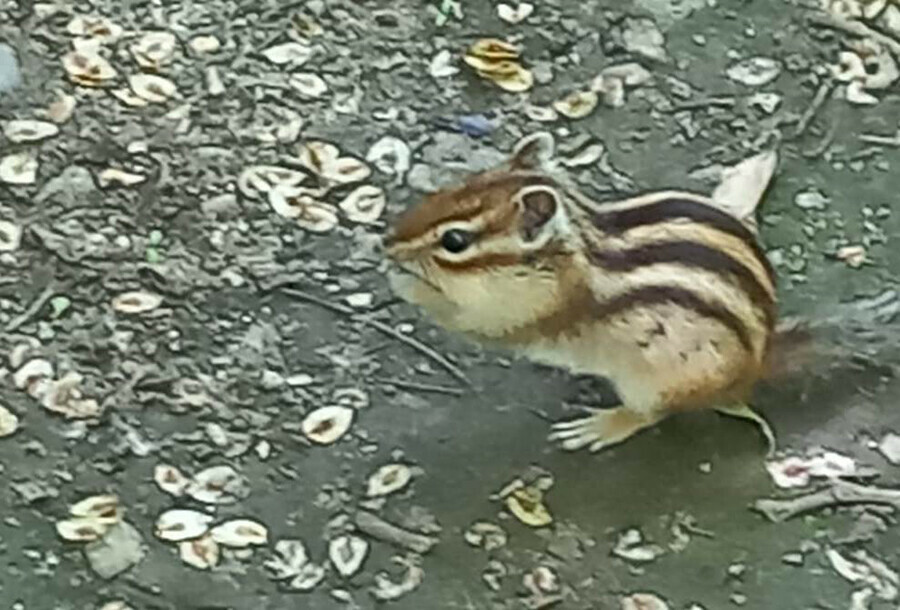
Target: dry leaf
[
  {"x": 129, "y": 98},
  {"x": 387, "y": 590},
  {"x": 526, "y": 503},
  {"x": 257, "y": 180},
  {"x": 31, "y": 372},
  {"x": 741, "y": 186},
  {"x": 309, "y": 578},
  {"x": 293, "y": 53},
  {"x": 112, "y": 176},
  {"x": 644, "y": 601},
  {"x": 9, "y": 422},
  {"x": 441, "y": 65},
  {"x": 310, "y": 214},
  {"x": 217, "y": 485},
  {"x": 240, "y": 533},
  {"x": 486, "y": 535},
  {"x": 153, "y": 88},
  {"x": 103, "y": 507},
  {"x": 515, "y": 15},
  {"x": 82, "y": 529},
  {"x": 136, "y": 302},
  {"x": 154, "y": 50},
  {"x": 390, "y": 156},
  {"x": 205, "y": 44},
  {"x": 201, "y": 553},
  {"x": 577, "y": 105},
  {"x": 63, "y": 396},
  {"x": 170, "y": 480},
  {"x": 94, "y": 26},
  {"x": 347, "y": 554},
  {"x": 388, "y": 479},
  {"x": 29, "y": 131},
  {"x": 854, "y": 256},
  {"x": 88, "y": 69},
  {"x": 364, "y": 204},
  {"x": 20, "y": 168},
  {"x": 289, "y": 559},
  {"x": 10, "y": 236},
  {"x": 543, "y": 114},
  {"x": 308, "y": 84},
  {"x": 180, "y": 524},
  {"x": 856, "y": 94},
  {"x": 327, "y": 424},
  {"x": 493, "y": 48},
  {"x": 754, "y": 71},
  {"x": 60, "y": 110},
  {"x": 587, "y": 156}
]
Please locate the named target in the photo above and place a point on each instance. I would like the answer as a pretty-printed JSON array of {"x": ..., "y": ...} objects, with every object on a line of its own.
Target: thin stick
[
  {"x": 383, "y": 328},
  {"x": 378, "y": 528},
  {"x": 422, "y": 387},
  {"x": 814, "y": 106},
  {"x": 32, "y": 310},
  {"x": 871, "y": 138},
  {"x": 701, "y": 104},
  {"x": 839, "y": 494},
  {"x": 856, "y": 28}
]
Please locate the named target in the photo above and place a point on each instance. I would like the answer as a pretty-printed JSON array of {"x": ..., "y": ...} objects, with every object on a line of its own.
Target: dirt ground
[{"x": 225, "y": 367}]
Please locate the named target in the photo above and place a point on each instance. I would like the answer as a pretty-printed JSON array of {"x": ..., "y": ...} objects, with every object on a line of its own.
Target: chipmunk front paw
[{"x": 604, "y": 427}]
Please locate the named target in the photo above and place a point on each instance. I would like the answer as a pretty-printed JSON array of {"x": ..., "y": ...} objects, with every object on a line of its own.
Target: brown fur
[{"x": 679, "y": 319}]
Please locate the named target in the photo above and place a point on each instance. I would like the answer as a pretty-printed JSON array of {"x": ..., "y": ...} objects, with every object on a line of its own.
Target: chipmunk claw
[{"x": 604, "y": 427}]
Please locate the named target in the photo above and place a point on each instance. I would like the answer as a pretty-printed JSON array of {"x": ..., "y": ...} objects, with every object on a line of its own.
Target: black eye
[{"x": 456, "y": 240}]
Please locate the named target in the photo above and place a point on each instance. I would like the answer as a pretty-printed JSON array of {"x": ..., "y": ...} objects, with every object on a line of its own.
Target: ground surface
[{"x": 200, "y": 380}]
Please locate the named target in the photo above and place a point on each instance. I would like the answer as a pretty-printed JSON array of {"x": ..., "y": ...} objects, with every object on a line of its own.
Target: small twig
[
  {"x": 723, "y": 102},
  {"x": 871, "y": 138},
  {"x": 840, "y": 493},
  {"x": 378, "y": 528},
  {"x": 422, "y": 387},
  {"x": 32, "y": 310},
  {"x": 383, "y": 328},
  {"x": 857, "y": 28},
  {"x": 823, "y": 145},
  {"x": 814, "y": 106}
]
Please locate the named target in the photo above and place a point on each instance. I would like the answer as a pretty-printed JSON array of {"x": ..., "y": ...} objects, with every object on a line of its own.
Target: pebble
[
  {"x": 890, "y": 447},
  {"x": 121, "y": 548},
  {"x": 10, "y": 76}
]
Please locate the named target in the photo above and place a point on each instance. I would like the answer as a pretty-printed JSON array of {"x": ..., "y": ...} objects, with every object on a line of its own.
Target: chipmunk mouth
[{"x": 404, "y": 272}]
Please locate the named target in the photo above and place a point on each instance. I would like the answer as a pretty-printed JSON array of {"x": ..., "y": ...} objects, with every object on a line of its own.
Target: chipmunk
[{"x": 666, "y": 295}]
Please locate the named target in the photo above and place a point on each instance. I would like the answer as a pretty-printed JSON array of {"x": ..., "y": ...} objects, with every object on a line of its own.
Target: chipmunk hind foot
[{"x": 601, "y": 429}]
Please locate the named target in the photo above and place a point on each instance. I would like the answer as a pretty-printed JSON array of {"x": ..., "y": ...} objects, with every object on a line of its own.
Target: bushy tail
[{"x": 856, "y": 334}]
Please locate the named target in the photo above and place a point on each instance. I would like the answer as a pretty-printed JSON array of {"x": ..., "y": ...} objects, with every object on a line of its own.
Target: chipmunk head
[{"x": 483, "y": 257}]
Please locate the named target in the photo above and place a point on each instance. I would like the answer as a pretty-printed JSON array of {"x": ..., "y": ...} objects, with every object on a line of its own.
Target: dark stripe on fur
[
  {"x": 659, "y": 295},
  {"x": 616, "y": 222},
  {"x": 691, "y": 254}
]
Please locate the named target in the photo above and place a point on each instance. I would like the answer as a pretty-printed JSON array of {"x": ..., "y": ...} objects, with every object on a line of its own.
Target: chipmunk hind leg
[{"x": 602, "y": 428}]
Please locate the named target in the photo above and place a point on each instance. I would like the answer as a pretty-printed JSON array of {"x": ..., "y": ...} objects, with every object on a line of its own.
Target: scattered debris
[
  {"x": 347, "y": 554},
  {"x": 388, "y": 479},
  {"x": 9, "y": 422},
  {"x": 486, "y": 535},
  {"x": 326, "y": 425},
  {"x": 498, "y": 61},
  {"x": 889, "y": 447},
  {"x": 386, "y": 589},
  {"x": 797, "y": 471},
  {"x": 376, "y": 527},
  {"x": 644, "y": 601},
  {"x": 631, "y": 546}
]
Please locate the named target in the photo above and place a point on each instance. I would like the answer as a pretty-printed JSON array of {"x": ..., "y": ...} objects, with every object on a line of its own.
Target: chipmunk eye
[{"x": 456, "y": 240}]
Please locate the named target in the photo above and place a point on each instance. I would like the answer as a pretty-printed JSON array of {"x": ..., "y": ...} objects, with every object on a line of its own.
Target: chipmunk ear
[
  {"x": 538, "y": 206},
  {"x": 534, "y": 151}
]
